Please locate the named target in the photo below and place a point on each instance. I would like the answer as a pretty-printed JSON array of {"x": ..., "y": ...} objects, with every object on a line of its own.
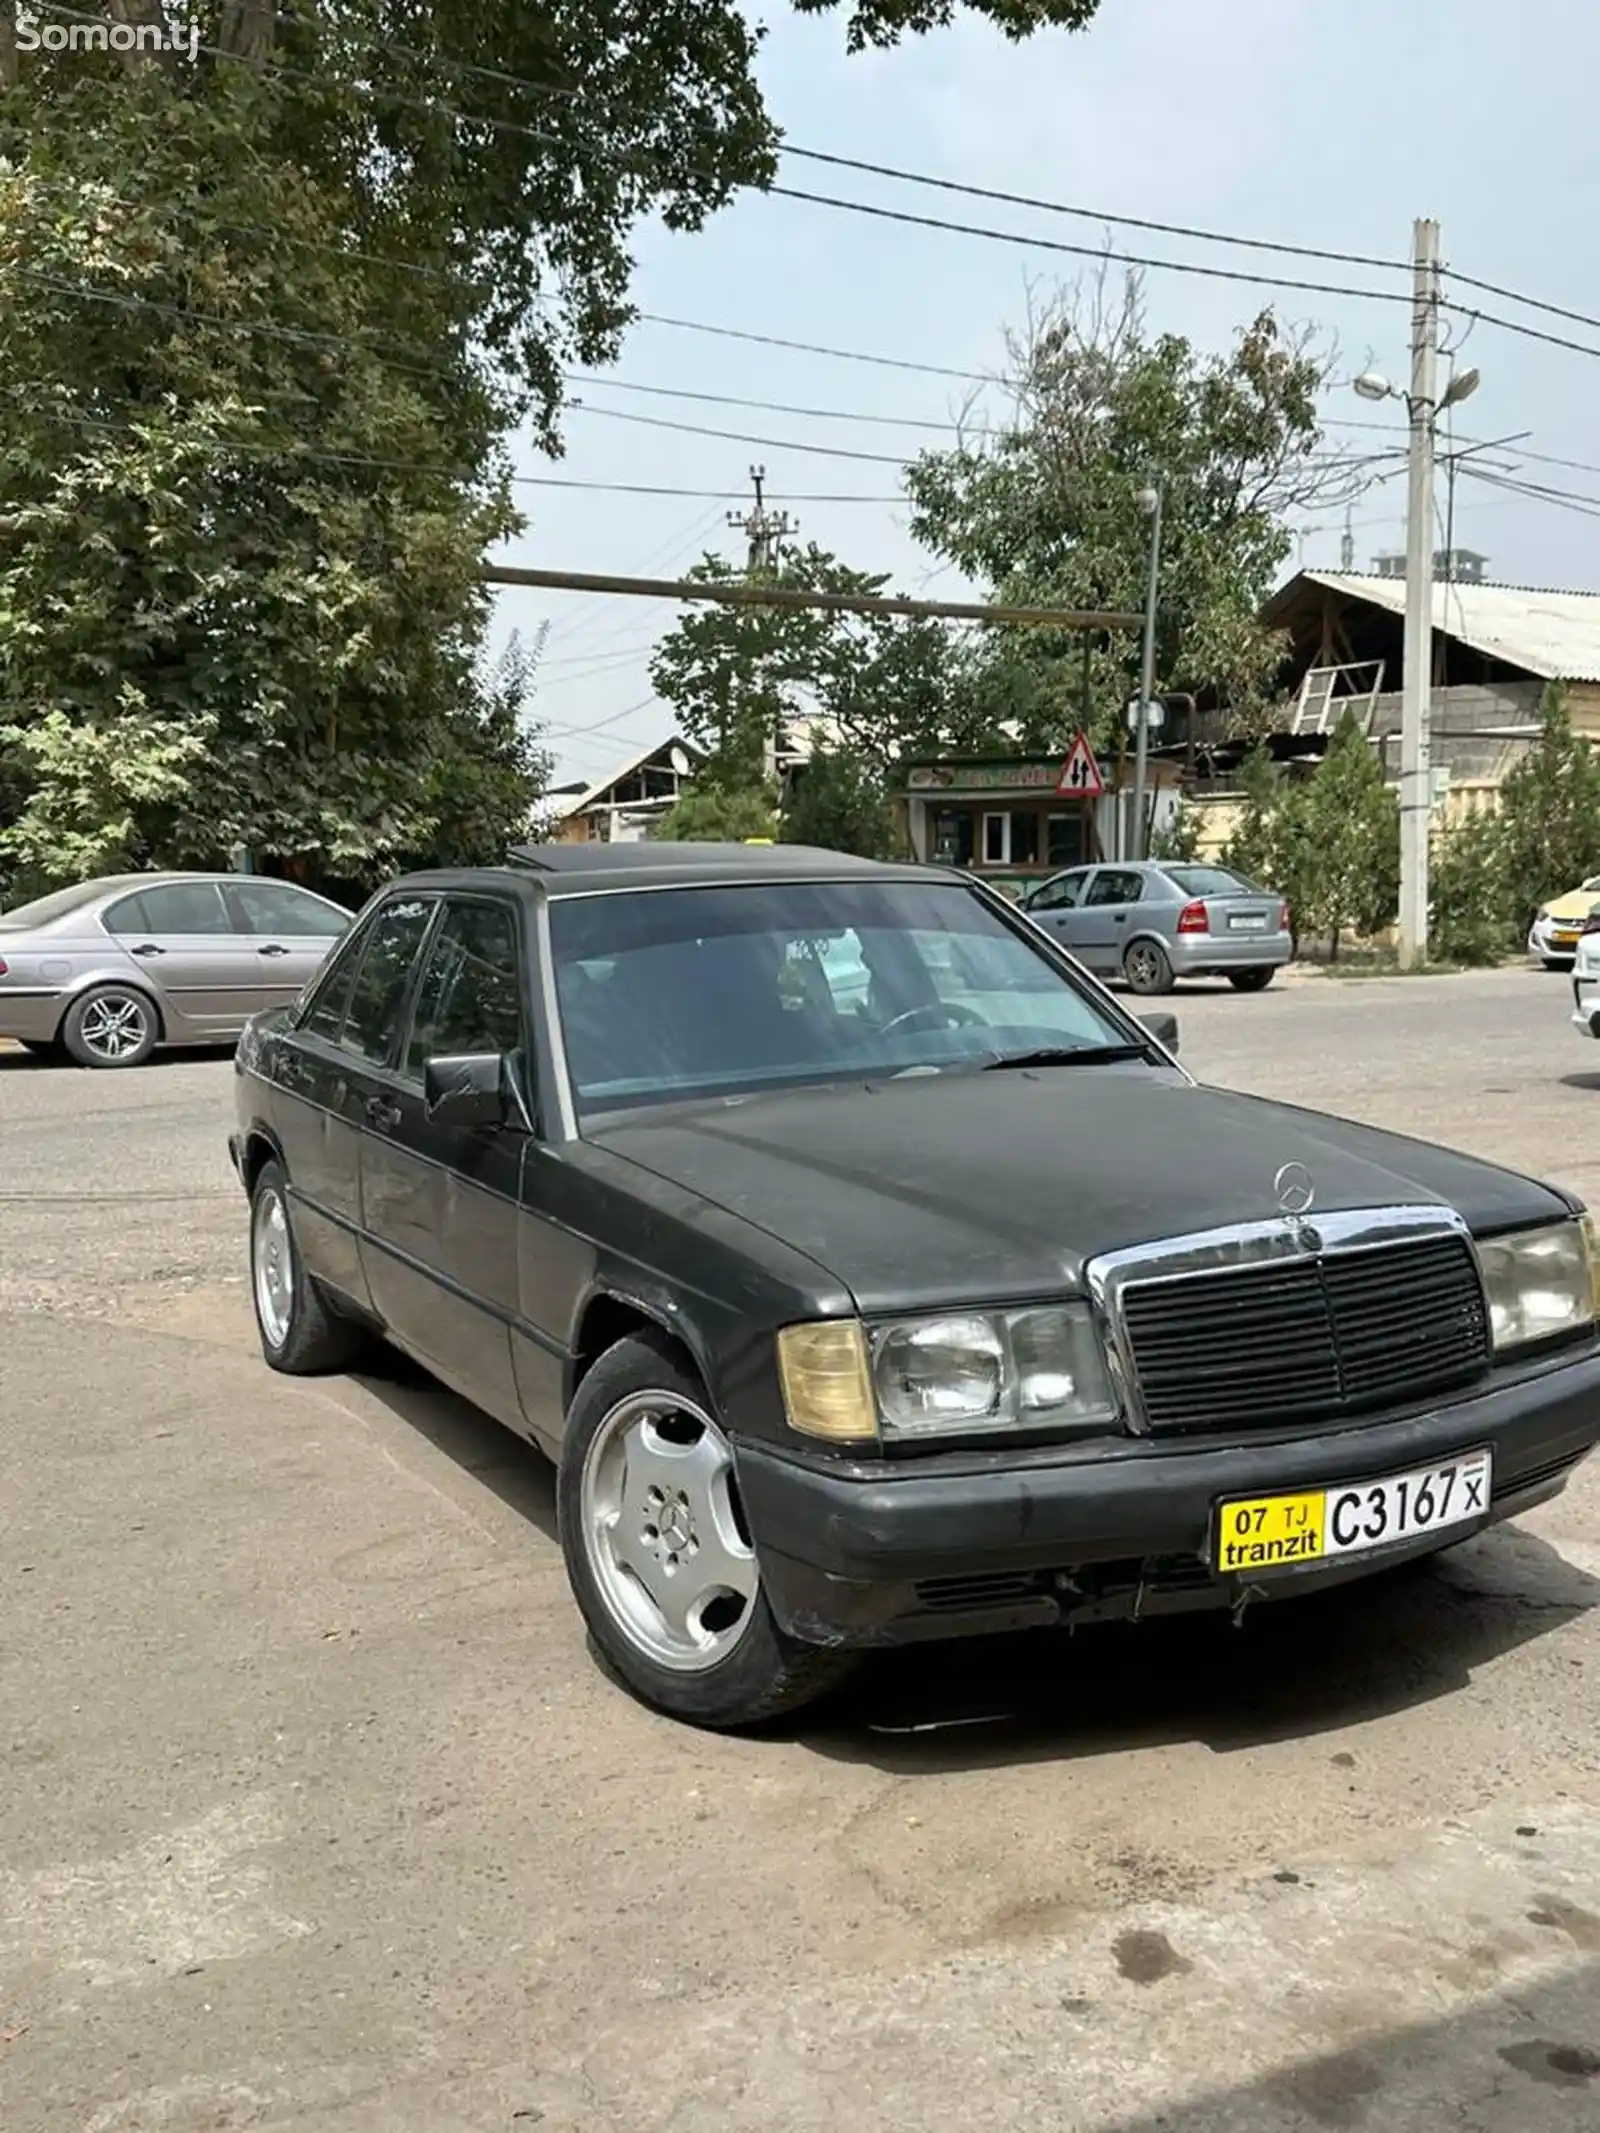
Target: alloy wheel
[
  {"x": 114, "y": 1025},
  {"x": 272, "y": 1265},
  {"x": 662, "y": 1532}
]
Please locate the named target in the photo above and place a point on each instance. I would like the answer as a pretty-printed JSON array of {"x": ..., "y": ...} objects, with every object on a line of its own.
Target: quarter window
[
  {"x": 170, "y": 907},
  {"x": 470, "y": 995},
  {"x": 378, "y": 998}
]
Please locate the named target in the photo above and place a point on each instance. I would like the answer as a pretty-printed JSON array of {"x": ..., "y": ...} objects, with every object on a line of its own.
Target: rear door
[
  {"x": 1104, "y": 922},
  {"x": 310, "y": 1072},
  {"x": 440, "y": 1203},
  {"x": 182, "y": 938},
  {"x": 290, "y": 932}
]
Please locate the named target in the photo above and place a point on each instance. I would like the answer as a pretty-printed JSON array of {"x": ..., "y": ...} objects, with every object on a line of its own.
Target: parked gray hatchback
[{"x": 1154, "y": 922}]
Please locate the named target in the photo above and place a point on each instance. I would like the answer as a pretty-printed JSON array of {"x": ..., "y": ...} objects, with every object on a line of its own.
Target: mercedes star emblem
[{"x": 1295, "y": 1190}]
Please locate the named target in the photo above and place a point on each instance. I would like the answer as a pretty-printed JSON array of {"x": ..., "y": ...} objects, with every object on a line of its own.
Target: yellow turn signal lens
[
  {"x": 1591, "y": 1240},
  {"x": 827, "y": 1381}
]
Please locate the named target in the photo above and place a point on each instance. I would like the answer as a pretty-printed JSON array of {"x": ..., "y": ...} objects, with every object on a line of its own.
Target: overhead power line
[
  {"x": 843, "y": 355},
  {"x": 1513, "y": 296},
  {"x": 1090, "y": 214},
  {"x": 1086, "y": 251},
  {"x": 771, "y": 444},
  {"x": 768, "y": 407}
]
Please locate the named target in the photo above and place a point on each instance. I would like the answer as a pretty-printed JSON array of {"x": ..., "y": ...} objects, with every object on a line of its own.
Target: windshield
[
  {"x": 1210, "y": 881},
  {"x": 44, "y": 908},
  {"x": 670, "y": 994}
]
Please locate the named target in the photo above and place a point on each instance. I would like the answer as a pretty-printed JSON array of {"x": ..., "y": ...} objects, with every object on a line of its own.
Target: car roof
[{"x": 582, "y": 869}]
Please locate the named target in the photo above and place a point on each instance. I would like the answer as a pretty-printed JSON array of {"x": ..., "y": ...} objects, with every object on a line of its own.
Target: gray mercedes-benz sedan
[{"x": 107, "y": 970}]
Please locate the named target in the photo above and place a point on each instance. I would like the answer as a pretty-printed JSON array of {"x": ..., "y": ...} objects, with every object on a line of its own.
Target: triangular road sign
[{"x": 1080, "y": 773}]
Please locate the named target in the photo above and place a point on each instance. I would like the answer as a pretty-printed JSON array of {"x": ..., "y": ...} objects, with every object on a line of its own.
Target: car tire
[
  {"x": 111, "y": 1026},
  {"x": 301, "y": 1333},
  {"x": 1147, "y": 969},
  {"x": 1256, "y": 979},
  {"x": 642, "y": 1410}
]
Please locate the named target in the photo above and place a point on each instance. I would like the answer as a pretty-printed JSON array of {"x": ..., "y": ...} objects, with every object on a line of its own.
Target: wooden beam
[{"x": 792, "y": 596}]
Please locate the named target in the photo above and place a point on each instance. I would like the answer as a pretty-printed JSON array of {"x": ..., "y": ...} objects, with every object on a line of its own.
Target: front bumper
[
  {"x": 1551, "y": 942},
  {"x": 874, "y": 1557}
]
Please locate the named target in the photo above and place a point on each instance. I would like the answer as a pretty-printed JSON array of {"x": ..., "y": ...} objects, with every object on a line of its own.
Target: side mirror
[
  {"x": 1164, "y": 1028},
  {"x": 466, "y": 1090}
]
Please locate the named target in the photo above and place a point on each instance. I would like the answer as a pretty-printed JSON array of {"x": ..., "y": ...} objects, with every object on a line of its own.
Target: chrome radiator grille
[{"x": 1295, "y": 1340}]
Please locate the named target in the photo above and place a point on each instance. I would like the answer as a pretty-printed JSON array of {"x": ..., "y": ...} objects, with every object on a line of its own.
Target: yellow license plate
[
  {"x": 1257, "y": 1533},
  {"x": 1564, "y": 940}
]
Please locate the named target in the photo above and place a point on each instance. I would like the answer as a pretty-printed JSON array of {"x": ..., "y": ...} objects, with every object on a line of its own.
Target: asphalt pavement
[{"x": 316, "y": 1815}]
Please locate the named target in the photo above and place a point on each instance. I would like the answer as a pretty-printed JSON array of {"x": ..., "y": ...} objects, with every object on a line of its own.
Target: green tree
[
  {"x": 715, "y": 814},
  {"x": 1045, "y": 509},
  {"x": 1349, "y": 871},
  {"x": 1471, "y": 915},
  {"x": 841, "y": 804},
  {"x": 1549, "y": 816},
  {"x": 272, "y": 308},
  {"x": 1179, "y": 837}
]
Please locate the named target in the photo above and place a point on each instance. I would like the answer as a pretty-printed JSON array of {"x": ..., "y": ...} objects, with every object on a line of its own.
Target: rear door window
[
  {"x": 1115, "y": 885},
  {"x": 169, "y": 907}
]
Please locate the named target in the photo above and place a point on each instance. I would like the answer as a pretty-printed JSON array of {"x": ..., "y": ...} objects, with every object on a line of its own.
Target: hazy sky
[{"x": 1324, "y": 122}]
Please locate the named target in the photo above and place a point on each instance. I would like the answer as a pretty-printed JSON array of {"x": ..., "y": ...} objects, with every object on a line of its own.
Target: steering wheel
[{"x": 933, "y": 1015}]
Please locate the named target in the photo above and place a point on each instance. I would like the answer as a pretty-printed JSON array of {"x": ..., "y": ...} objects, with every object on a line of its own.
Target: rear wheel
[
  {"x": 658, "y": 1555},
  {"x": 1146, "y": 968},
  {"x": 301, "y": 1334},
  {"x": 111, "y": 1026},
  {"x": 1255, "y": 980}
]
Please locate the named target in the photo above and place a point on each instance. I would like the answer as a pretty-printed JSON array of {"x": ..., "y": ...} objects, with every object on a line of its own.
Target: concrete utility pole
[
  {"x": 1416, "y": 769},
  {"x": 766, "y": 531},
  {"x": 1424, "y": 405},
  {"x": 1151, "y": 500}
]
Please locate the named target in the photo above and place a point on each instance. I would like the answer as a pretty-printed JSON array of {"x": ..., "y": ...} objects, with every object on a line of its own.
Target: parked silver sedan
[
  {"x": 1154, "y": 922},
  {"x": 109, "y": 969}
]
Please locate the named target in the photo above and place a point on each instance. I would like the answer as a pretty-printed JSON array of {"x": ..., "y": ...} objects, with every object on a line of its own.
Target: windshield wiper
[{"x": 1050, "y": 1055}]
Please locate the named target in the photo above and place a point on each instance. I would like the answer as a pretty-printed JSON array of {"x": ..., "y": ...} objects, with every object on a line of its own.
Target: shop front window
[{"x": 1064, "y": 841}]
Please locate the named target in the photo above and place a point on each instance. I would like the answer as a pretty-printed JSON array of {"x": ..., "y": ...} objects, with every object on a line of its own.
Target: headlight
[
  {"x": 1540, "y": 1283},
  {"x": 971, "y": 1373}
]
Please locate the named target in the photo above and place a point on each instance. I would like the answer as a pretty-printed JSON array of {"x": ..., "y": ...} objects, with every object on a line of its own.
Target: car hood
[
  {"x": 996, "y": 1186},
  {"x": 1576, "y": 904}
]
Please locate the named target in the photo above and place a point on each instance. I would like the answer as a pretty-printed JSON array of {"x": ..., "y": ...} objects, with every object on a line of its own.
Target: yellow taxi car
[{"x": 1553, "y": 937}]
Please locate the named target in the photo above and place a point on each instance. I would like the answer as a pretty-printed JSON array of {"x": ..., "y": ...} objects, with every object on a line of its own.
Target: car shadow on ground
[
  {"x": 518, "y": 1473},
  {"x": 1580, "y": 1081},
  {"x": 14, "y": 1060},
  {"x": 1516, "y": 2061},
  {"x": 1291, "y": 1669}
]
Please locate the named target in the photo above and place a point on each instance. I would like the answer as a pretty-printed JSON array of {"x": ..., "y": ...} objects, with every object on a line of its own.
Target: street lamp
[
  {"x": 1150, "y": 500},
  {"x": 1424, "y": 405}
]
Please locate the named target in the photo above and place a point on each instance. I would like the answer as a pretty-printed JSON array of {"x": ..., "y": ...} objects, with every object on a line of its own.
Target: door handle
[
  {"x": 272, "y": 948},
  {"x": 147, "y": 948},
  {"x": 383, "y": 1114},
  {"x": 1120, "y": 918}
]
